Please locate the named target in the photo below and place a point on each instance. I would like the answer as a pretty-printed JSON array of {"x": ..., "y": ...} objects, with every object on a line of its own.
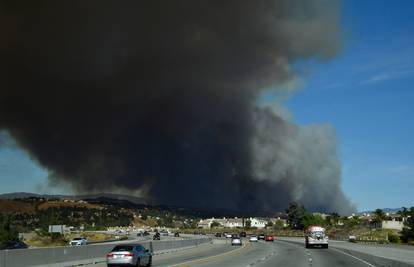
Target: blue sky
[{"x": 366, "y": 93}]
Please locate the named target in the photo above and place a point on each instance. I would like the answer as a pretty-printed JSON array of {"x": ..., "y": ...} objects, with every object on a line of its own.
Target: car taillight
[
  {"x": 109, "y": 255},
  {"x": 129, "y": 255}
]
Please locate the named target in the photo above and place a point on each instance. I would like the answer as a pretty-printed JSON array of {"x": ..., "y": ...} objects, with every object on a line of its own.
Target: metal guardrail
[{"x": 72, "y": 256}]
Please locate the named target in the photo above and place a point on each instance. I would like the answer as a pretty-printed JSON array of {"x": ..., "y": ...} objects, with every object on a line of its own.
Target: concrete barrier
[{"x": 73, "y": 256}]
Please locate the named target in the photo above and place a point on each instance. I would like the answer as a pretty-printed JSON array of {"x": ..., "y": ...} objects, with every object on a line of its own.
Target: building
[
  {"x": 233, "y": 222},
  {"x": 393, "y": 222},
  {"x": 258, "y": 223},
  {"x": 205, "y": 224}
]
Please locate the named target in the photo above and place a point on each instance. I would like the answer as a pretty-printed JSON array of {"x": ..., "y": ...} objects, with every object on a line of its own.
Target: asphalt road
[
  {"x": 286, "y": 252},
  {"x": 378, "y": 253},
  {"x": 183, "y": 256}
]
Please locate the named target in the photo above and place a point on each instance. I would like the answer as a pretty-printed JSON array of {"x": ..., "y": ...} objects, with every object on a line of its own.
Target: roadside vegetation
[
  {"x": 7, "y": 231},
  {"x": 35, "y": 215},
  {"x": 337, "y": 227},
  {"x": 45, "y": 239}
]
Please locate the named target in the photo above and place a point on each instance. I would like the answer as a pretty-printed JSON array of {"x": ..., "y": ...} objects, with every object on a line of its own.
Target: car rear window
[{"x": 123, "y": 248}]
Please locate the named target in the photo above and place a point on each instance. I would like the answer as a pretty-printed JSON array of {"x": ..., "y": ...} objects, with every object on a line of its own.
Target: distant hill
[
  {"x": 131, "y": 202},
  {"x": 132, "y": 199}
]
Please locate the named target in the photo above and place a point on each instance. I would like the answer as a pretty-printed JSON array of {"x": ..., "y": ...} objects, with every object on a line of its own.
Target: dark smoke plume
[{"x": 160, "y": 97}]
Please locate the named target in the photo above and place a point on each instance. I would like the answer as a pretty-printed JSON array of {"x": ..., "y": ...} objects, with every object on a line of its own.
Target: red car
[{"x": 269, "y": 238}]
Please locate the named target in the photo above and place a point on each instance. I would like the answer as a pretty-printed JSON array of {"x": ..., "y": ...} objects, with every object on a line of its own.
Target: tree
[
  {"x": 333, "y": 219},
  {"x": 248, "y": 224},
  {"x": 310, "y": 219},
  {"x": 349, "y": 223},
  {"x": 407, "y": 234},
  {"x": 269, "y": 224},
  {"x": 295, "y": 214},
  {"x": 278, "y": 225},
  {"x": 8, "y": 233},
  {"x": 379, "y": 215},
  {"x": 215, "y": 224},
  {"x": 404, "y": 212}
]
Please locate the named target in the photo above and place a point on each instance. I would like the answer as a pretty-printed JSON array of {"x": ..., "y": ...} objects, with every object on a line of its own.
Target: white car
[
  {"x": 78, "y": 241},
  {"x": 236, "y": 242},
  {"x": 253, "y": 238},
  {"x": 228, "y": 235}
]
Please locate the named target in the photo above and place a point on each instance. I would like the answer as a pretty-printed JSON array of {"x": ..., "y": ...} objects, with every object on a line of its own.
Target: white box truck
[{"x": 315, "y": 237}]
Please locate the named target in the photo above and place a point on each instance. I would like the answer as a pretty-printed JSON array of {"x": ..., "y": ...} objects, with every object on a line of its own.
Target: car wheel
[{"x": 149, "y": 261}]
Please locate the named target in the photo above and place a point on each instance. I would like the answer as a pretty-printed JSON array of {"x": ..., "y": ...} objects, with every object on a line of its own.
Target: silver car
[
  {"x": 78, "y": 241},
  {"x": 236, "y": 241},
  {"x": 129, "y": 255}
]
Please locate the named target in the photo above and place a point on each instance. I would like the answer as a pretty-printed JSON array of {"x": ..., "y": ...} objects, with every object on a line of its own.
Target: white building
[
  {"x": 237, "y": 222},
  {"x": 258, "y": 223},
  {"x": 205, "y": 223}
]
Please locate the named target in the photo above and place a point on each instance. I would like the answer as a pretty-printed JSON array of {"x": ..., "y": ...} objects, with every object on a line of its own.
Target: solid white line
[{"x": 352, "y": 256}]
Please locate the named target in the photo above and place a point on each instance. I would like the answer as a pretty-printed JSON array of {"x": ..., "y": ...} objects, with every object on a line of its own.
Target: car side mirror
[{"x": 147, "y": 250}]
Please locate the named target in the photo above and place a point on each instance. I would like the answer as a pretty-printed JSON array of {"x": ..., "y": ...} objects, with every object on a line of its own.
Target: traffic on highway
[
  {"x": 219, "y": 250},
  {"x": 283, "y": 251}
]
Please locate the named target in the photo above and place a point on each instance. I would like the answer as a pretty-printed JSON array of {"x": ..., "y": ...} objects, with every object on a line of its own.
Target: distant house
[
  {"x": 258, "y": 223},
  {"x": 224, "y": 222},
  {"x": 232, "y": 223},
  {"x": 238, "y": 222},
  {"x": 205, "y": 223},
  {"x": 393, "y": 222}
]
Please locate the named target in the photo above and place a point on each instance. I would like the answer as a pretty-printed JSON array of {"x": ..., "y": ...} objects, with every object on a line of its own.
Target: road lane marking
[
  {"x": 352, "y": 256},
  {"x": 246, "y": 245}
]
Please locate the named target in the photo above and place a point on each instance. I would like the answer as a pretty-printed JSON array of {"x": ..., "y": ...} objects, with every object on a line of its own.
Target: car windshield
[
  {"x": 78, "y": 238},
  {"x": 123, "y": 248},
  {"x": 317, "y": 233}
]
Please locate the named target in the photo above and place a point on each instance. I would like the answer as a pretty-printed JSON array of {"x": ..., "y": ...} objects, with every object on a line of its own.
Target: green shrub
[
  {"x": 393, "y": 238},
  {"x": 8, "y": 233}
]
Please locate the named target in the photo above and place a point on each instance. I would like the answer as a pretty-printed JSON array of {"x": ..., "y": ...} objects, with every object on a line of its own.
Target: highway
[
  {"x": 193, "y": 250},
  {"x": 180, "y": 258},
  {"x": 286, "y": 252}
]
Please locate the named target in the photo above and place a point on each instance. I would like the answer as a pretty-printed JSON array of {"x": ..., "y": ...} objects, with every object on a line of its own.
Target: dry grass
[
  {"x": 39, "y": 241},
  {"x": 61, "y": 204},
  {"x": 13, "y": 206},
  {"x": 149, "y": 222}
]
